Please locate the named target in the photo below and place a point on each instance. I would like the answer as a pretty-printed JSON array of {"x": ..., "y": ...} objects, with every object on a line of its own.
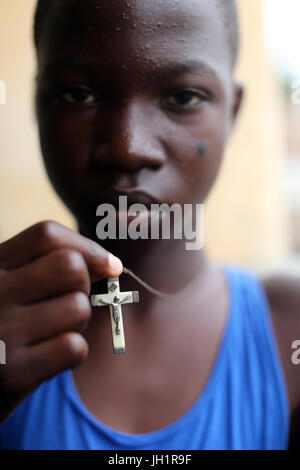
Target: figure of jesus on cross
[{"x": 113, "y": 299}]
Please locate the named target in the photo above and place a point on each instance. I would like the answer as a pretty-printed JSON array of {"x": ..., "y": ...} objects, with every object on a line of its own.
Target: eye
[
  {"x": 76, "y": 95},
  {"x": 186, "y": 99}
]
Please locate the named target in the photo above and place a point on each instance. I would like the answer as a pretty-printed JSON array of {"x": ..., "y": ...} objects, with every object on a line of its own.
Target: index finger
[{"x": 44, "y": 237}]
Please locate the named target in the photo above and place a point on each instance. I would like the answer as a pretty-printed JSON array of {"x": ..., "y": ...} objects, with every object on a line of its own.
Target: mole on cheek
[{"x": 201, "y": 147}]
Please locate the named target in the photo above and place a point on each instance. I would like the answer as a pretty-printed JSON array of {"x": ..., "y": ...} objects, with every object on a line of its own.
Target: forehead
[{"x": 120, "y": 33}]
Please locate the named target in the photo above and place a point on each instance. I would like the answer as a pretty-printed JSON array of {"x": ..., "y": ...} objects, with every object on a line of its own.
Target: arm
[
  {"x": 104, "y": 302},
  {"x": 125, "y": 299},
  {"x": 283, "y": 293}
]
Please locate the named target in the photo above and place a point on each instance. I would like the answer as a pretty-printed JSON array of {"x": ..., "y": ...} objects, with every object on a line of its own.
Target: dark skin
[{"x": 153, "y": 84}]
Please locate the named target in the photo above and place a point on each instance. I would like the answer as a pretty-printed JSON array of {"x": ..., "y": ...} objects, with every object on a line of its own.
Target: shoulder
[{"x": 283, "y": 294}]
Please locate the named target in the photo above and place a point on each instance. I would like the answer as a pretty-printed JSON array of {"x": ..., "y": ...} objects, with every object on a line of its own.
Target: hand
[{"x": 45, "y": 277}]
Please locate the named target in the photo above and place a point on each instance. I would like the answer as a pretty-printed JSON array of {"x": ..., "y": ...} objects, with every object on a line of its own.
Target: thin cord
[
  {"x": 153, "y": 291},
  {"x": 157, "y": 293}
]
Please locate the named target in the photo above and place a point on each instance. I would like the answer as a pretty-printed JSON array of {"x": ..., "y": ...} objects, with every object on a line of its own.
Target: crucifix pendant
[{"x": 113, "y": 299}]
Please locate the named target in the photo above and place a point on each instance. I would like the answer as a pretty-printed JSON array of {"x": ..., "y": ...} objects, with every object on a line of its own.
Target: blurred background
[{"x": 253, "y": 214}]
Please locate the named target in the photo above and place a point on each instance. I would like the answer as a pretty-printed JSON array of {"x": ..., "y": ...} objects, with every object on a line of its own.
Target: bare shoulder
[{"x": 283, "y": 294}]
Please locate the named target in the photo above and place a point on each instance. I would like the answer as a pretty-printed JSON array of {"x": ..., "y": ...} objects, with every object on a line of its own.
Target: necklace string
[{"x": 151, "y": 289}]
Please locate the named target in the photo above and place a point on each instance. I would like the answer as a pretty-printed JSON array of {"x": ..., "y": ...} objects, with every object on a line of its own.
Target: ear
[{"x": 238, "y": 96}]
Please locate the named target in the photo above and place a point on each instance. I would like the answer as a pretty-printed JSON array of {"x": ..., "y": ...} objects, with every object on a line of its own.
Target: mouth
[
  {"x": 133, "y": 196},
  {"x": 122, "y": 206}
]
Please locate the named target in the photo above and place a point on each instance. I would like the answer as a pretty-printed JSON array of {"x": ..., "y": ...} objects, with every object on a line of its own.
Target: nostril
[
  {"x": 137, "y": 148},
  {"x": 127, "y": 154}
]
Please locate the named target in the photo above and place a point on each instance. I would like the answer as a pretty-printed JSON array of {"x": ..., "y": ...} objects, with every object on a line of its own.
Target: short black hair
[{"x": 227, "y": 8}]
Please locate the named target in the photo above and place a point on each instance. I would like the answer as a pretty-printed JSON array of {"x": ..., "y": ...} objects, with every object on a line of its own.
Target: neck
[
  {"x": 169, "y": 268},
  {"x": 164, "y": 264}
]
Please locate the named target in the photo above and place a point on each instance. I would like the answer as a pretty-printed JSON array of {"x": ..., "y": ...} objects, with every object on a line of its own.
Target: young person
[{"x": 125, "y": 92}]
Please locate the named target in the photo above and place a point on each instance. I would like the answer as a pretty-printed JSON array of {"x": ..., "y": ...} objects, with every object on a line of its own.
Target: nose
[{"x": 132, "y": 140}]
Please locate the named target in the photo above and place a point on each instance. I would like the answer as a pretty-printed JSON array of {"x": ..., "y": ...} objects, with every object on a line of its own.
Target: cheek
[
  {"x": 197, "y": 173},
  {"x": 65, "y": 141},
  {"x": 202, "y": 173}
]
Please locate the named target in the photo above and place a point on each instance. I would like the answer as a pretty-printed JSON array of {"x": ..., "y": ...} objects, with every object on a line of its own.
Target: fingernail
[{"x": 115, "y": 264}]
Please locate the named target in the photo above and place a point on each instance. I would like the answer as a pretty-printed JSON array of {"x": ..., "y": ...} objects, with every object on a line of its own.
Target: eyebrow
[
  {"x": 192, "y": 66},
  {"x": 189, "y": 66},
  {"x": 68, "y": 61}
]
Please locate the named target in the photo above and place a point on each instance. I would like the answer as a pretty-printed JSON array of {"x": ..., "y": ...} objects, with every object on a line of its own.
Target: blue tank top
[{"x": 243, "y": 405}]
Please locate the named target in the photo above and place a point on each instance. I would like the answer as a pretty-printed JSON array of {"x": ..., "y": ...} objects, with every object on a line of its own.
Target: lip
[{"x": 134, "y": 196}]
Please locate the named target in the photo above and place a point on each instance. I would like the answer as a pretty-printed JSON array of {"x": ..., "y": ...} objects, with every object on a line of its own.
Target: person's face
[{"x": 125, "y": 90}]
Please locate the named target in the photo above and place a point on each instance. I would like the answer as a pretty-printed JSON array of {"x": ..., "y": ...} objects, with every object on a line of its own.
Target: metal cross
[{"x": 114, "y": 298}]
